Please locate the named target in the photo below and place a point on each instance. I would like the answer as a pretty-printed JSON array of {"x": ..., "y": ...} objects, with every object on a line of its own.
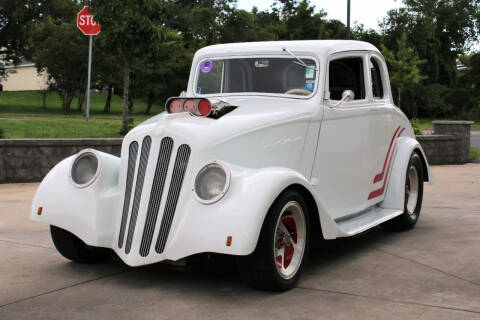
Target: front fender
[
  {"x": 395, "y": 196},
  {"x": 240, "y": 214},
  {"x": 88, "y": 212}
]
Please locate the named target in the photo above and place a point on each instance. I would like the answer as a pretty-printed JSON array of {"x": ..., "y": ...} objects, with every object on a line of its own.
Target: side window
[
  {"x": 346, "y": 74},
  {"x": 377, "y": 84}
]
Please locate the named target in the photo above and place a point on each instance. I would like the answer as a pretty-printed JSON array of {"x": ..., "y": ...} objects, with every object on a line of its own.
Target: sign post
[{"x": 90, "y": 28}]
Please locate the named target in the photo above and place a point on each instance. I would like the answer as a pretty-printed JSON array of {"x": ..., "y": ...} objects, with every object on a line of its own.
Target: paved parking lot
[{"x": 431, "y": 272}]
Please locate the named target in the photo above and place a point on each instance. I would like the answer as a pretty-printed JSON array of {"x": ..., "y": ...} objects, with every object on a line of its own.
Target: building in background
[{"x": 23, "y": 77}]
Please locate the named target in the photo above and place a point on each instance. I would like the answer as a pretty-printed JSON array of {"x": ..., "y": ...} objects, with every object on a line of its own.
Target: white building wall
[{"x": 24, "y": 78}]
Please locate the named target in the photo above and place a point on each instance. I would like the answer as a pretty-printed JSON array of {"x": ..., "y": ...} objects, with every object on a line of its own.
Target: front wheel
[
  {"x": 72, "y": 248},
  {"x": 413, "y": 196},
  {"x": 282, "y": 248}
]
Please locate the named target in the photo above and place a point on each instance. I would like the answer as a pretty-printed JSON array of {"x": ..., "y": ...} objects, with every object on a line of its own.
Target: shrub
[
  {"x": 1, "y": 133},
  {"x": 416, "y": 127},
  {"x": 474, "y": 153}
]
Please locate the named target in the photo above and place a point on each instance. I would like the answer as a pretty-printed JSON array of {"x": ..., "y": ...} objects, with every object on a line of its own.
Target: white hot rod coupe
[{"x": 272, "y": 143}]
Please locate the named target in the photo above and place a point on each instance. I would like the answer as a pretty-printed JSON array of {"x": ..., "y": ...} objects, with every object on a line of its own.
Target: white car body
[{"x": 348, "y": 161}]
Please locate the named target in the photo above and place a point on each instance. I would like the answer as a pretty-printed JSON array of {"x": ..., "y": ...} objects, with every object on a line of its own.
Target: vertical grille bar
[
  {"x": 164, "y": 155},
  {"x": 132, "y": 161},
  {"x": 147, "y": 141},
  {"x": 179, "y": 169}
]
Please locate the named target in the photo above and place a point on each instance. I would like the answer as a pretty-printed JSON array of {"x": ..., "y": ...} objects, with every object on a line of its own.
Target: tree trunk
[
  {"x": 126, "y": 80},
  {"x": 108, "y": 102},
  {"x": 44, "y": 99},
  {"x": 68, "y": 102},
  {"x": 149, "y": 102},
  {"x": 81, "y": 101},
  {"x": 62, "y": 97},
  {"x": 131, "y": 101}
]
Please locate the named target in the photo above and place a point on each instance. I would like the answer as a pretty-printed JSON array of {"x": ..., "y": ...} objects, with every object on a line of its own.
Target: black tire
[
  {"x": 72, "y": 248},
  {"x": 407, "y": 220},
  {"x": 259, "y": 269}
]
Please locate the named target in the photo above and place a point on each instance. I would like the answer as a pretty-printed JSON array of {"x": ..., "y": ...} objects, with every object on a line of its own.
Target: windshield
[{"x": 257, "y": 75}]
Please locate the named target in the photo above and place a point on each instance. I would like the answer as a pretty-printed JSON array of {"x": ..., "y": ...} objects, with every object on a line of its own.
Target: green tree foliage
[
  {"x": 131, "y": 28},
  {"x": 58, "y": 46},
  {"x": 404, "y": 63},
  {"x": 146, "y": 47},
  {"x": 439, "y": 30},
  {"x": 17, "y": 18}
]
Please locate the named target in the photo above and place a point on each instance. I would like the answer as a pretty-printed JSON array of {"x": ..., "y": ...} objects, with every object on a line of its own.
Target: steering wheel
[{"x": 298, "y": 91}]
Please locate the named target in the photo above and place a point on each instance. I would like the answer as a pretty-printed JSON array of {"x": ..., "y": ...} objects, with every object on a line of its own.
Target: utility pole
[
  {"x": 348, "y": 19},
  {"x": 90, "y": 45}
]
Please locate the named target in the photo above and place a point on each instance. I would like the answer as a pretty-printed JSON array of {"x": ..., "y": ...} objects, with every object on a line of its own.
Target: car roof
[{"x": 318, "y": 47}]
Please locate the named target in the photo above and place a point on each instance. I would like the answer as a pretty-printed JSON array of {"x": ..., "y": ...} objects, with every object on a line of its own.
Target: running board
[{"x": 362, "y": 221}]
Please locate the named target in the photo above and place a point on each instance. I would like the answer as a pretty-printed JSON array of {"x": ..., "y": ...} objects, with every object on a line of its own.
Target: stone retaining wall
[
  {"x": 29, "y": 160},
  {"x": 449, "y": 143}
]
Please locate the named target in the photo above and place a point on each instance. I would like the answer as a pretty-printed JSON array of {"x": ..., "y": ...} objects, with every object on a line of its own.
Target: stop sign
[{"x": 86, "y": 24}]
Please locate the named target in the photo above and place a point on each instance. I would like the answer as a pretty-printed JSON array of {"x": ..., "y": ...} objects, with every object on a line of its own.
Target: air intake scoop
[{"x": 211, "y": 108}]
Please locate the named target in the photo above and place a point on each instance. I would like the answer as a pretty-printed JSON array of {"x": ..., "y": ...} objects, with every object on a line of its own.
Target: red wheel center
[{"x": 286, "y": 240}]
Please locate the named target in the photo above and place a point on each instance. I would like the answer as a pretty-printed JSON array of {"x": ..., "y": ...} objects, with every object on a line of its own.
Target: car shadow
[{"x": 218, "y": 273}]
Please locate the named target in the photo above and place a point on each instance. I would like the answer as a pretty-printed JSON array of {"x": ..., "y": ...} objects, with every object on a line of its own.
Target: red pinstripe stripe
[
  {"x": 380, "y": 175},
  {"x": 379, "y": 192}
]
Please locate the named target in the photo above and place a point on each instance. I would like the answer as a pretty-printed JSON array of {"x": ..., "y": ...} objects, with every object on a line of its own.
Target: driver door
[{"x": 344, "y": 163}]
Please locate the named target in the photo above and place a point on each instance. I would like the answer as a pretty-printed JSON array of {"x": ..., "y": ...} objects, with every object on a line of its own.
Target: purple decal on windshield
[{"x": 206, "y": 66}]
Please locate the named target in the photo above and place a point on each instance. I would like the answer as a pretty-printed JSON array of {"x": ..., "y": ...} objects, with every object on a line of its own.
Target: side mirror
[{"x": 347, "y": 96}]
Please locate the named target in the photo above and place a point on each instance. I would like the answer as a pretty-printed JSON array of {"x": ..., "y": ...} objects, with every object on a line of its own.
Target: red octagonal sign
[{"x": 86, "y": 24}]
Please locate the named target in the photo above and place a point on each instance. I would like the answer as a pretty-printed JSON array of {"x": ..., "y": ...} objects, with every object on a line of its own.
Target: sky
[{"x": 367, "y": 12}]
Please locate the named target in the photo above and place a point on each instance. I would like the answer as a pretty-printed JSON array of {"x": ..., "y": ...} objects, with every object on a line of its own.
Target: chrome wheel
[
  {"x": 289, "y": 240},
  {"x": 411, "y": 190}
]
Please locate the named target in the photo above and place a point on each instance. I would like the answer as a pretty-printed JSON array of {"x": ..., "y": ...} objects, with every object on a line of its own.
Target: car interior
[{"x": 346, "y": 74}]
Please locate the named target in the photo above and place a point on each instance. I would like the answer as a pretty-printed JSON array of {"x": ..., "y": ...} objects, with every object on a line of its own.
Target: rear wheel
[
  {"x": 413, "y": 196},
  {"x": 71, "y": 247},
  {"x": 282, "y": 248}
]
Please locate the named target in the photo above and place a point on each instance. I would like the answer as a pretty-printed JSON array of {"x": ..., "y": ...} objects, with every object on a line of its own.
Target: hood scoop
[
  {"x": 201, "y": 107},
  {"x": 220, "y": 108}
]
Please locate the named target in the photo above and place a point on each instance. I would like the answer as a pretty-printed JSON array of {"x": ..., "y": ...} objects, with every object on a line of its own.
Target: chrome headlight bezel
[
  {"x": 81, "y": 154},
  {"x": 217, "y": 198}
]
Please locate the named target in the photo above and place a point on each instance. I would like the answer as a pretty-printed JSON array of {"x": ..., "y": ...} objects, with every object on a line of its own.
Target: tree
[
  {"x": 163, "y": 70},
  {"x": 59, "y": 48},
  {"x": 131, "y": 29},
  {"x": 439, "y": 30},
  {"x": 360, "y": 33},
  {"x": 17, "y": 17},
  {"x": 404, "y": 71}
]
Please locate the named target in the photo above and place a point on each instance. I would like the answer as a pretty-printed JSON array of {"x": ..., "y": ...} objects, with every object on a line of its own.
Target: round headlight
[
  {"x": 85, "y": 168},
  {"x": 211, "y": 183}
]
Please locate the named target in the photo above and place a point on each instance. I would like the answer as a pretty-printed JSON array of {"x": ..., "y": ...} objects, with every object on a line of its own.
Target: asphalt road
[
  {"x": 430, "y": 272},
  {"x": 475, "y": 142},
  {"x": 475, "y": 139}
]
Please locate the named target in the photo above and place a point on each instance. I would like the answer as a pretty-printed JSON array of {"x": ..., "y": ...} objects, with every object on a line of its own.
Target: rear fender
[{"x": 395, "y": 196}]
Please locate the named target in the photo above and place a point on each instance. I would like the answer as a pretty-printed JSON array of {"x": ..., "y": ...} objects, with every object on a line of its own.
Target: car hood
[
  {"x": 250, "y": 114},
  {"x": 261, "y": 131}
]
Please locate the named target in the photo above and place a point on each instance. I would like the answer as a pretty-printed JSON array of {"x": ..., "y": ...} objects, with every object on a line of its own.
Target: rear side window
[
  {"x": 377, "y": 84},
  {"x": 346, "y": 74}
]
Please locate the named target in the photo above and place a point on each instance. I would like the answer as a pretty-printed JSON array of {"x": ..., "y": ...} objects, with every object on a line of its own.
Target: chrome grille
[
  {"x": 147, "y": 141},
  {"x": 132, "y": 161},
  {"x": 181, "y": 161},
  {"x": 161, "y": 170}
]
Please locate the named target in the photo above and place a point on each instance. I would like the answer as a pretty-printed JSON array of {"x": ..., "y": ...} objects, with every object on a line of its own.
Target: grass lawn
[
  {"x": 71, "y": 128},
  {"x": 427, "y": 124},
  {"x": 24, "y": 117},
  {"x": 29, "y": 104}
]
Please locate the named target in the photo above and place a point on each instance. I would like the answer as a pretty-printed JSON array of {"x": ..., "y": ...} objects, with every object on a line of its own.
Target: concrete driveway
[{"x": 431, "y": 272}]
